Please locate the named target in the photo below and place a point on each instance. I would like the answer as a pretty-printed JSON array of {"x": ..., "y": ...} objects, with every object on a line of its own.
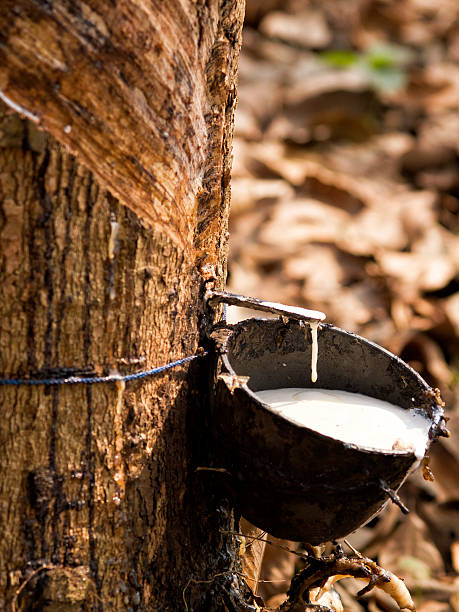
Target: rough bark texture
[
  {"x": 141, "y": 92},
  {"x": 114, "y": 203}
]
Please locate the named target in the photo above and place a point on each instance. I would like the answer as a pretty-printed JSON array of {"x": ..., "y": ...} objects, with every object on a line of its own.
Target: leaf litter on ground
[{"x": 346, "y": 200}]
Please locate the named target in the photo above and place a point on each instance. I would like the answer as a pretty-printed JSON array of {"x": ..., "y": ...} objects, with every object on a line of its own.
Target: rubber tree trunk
[{"x": 115, "y": 136}]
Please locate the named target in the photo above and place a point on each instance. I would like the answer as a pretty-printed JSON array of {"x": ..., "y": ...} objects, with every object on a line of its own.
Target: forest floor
[{"x": 345, "y": 199}]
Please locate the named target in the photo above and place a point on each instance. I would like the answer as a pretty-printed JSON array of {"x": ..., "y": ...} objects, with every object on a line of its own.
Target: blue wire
[{"x": 75, "y": 380}]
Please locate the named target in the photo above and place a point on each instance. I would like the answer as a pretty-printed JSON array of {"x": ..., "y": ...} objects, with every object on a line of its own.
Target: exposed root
[{"x": 309, "y": 585}]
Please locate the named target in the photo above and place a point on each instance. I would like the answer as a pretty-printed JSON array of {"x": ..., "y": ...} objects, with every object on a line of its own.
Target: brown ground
[{"x": 345, "y": 199}]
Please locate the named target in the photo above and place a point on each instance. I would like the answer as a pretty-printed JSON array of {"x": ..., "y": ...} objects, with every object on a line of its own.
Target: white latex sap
[
  {"x": 352, "y": 417},
  {"x": 314, "y": 350}
]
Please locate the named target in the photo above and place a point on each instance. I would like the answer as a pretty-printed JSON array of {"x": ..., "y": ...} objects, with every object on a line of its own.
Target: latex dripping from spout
[
  {"x": 314, "y": 326},
  {"x": 311, "y": 317}
]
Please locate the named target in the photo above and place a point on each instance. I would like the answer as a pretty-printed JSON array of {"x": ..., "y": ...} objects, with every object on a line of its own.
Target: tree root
[{"x": 318, "y": 576}]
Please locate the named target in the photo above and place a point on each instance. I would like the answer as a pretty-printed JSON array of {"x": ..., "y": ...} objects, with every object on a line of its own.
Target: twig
[
  {"x": 212, "y": 469},
  {"x": 354, "y": 550},
  {"x": 195, "y": 581},
  {"x": 261, "y": 539},
  {"x": 395, "y": 499},
  {"x": 291, "y": 312},
  {"x": 254, "y": 539},
  {"x": 19, "y": 590}
]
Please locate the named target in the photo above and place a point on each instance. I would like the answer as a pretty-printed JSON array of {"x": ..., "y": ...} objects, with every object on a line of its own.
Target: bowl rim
[{"x": 436, "y": 418}]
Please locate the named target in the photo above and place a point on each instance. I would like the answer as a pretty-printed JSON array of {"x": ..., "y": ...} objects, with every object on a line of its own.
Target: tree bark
[{"x": 114, "y": 192}]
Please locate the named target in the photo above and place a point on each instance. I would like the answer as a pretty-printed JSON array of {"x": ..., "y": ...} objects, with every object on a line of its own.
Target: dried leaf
[
  {"x": 345, "y": 200},
  {"x": 252, "y": 553},
  {"x": 277, "y": 571},
  {"x": 455, "y": 555},
  {"x": 410, "y": 553},
  {"x": 443, "y": 522},
  {"x": 248, "y": 193},
  {"x": 451, "y": 306},
  {"x": 296, "y": 223},
  {"x": 307, "y": 28}
]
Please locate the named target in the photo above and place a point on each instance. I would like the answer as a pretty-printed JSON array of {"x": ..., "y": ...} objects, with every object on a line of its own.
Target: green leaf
[{"x": 342, "y": 58}]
